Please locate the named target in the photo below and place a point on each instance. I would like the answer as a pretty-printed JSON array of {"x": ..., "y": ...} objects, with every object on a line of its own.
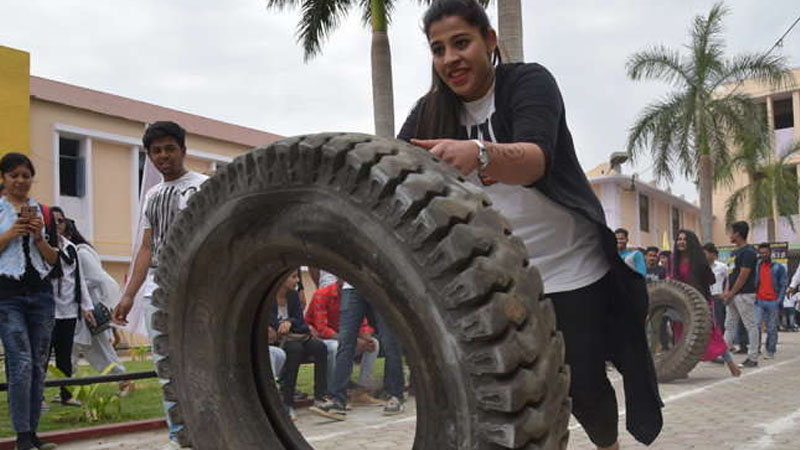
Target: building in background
[
  {"x": 782, "y": 112},
  {"x": 651, "y": 215},
  {"x": 86, "y": 147}
]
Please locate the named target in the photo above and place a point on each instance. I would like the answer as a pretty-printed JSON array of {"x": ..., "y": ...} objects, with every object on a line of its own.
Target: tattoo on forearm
[{"x": 511, "y": 152}]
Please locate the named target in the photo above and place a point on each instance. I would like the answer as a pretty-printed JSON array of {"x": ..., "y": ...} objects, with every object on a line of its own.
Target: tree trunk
[
  {"x": 509, "y": 13},
  {"x": 706, "y": 203},
  {"x": 382, "y": 90}
]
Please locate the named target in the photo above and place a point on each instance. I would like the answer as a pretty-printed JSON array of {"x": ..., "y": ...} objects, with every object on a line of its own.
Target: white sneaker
[
  {"x": 172, "y": 445},
  {"x": 393, "y": 407}
]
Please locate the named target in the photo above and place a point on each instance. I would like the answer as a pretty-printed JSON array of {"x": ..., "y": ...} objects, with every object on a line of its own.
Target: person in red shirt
[
  {"x": 322, "y": 315},
  {"x": 771, "y": 282}
]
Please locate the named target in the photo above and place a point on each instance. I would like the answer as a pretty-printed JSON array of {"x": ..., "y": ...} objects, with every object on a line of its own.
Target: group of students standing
[
  {"x": 743, "y": 299},
  {"x": 51, "y": 279}
]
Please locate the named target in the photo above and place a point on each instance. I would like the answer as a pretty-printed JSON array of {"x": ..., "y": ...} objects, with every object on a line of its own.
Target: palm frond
[
  {"x": 654, "y": 130},
  {"x": 318, "y": 19},
  {"x": 659, "y": 63},
  {"x": 771, "y": 70},
  {"x": 707, "y": 46},
  {"x": 283, "y": 4},
  {"x": 734, "y": 203}
]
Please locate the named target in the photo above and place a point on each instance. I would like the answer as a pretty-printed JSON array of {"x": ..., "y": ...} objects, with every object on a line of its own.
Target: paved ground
[{"x": 709, "y": 410}]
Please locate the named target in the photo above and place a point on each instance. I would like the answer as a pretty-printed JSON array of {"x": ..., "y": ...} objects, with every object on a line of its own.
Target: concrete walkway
[{"x": 709, "y": 410}]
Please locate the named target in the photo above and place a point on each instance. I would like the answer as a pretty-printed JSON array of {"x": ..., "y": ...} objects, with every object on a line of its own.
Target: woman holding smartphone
[{"x": 27, "y": 308}]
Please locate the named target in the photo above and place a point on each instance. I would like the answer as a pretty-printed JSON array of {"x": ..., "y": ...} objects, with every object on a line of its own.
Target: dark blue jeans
[
  {"x": 353, "y": 309},
  {"x": 767, "y": 311},
  {"x": 26, "y": 323}
]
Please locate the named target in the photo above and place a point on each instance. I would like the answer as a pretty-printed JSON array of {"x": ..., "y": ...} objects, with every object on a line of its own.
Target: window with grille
[
  {"x": 72, "y": 168},
  {"x": 644, "y": 213}
]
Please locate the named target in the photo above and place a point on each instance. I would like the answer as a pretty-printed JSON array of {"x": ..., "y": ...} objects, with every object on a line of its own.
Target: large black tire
[
  {"x": 690, "y": 309},
  {"x": 424, "y": 247}
]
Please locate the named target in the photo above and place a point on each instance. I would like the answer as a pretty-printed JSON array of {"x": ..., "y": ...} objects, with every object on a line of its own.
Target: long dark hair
[
  {"x": 74, "y": 235},
  {"x": 698, "y": 264},
  {"x": 12, "y": 160},
  {"x": 440, "y": 108}
]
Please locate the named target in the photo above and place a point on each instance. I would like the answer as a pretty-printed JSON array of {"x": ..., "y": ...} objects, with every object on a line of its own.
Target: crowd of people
[
  {"x": 504, "y": 128},
  {"x": 315, "y": 332},
  {"x": 749, "y": 298}
]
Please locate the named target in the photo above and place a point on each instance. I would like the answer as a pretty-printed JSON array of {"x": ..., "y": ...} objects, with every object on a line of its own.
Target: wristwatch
[{"x": 483, "y": 155}]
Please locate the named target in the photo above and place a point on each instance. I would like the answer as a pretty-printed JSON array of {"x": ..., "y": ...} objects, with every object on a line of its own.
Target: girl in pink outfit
[{"x": 689, "y": 265}]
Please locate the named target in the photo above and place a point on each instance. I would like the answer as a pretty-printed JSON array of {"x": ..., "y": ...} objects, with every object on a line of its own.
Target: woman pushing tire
[{"x": 424, "y": 246}]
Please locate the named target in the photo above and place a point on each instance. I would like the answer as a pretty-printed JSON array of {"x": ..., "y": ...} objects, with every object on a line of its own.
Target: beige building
[
  {"x": 782, "y": 107},
  {"x": 86, "y": 147},
  {"x": 651, "y": 215}
]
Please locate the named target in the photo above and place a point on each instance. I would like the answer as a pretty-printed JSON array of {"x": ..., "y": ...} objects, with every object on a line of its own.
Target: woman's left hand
[
  {"x": 88, "y": 316},
  {"x": 35, "y": 227},
  {"x": 463, "y": 155}
]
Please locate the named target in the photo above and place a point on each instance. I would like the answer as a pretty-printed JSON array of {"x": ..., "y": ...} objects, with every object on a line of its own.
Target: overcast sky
[{"x": 236, "y": 61}]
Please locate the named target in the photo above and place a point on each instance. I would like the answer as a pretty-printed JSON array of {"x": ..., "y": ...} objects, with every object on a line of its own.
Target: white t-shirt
[
  {"x": 562, "y": 244},
  {"x": 64, "y": 287},
  {"x": 326, "y": 279},
  {"x": 283, "y": 313},
  {"x": 163, "y": 202},
  {"x": 721, "y": 275}
]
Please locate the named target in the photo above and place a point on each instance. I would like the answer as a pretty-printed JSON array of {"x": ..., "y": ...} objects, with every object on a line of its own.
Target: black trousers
[
  {"x": 63, "y": 337},
  {"x": 581, "y": 316},
  {"x": 296, "y": 353}
]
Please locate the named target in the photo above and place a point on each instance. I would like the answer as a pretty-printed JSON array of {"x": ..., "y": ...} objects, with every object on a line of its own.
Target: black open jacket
[{"x": 529, "y": 108}]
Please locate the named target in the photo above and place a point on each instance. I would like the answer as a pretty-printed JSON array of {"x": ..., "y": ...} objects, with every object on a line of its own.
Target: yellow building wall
[
  {"x": 14, "y": 100},
  {"x": 112, "y": 176},
  {"x": 215, "y": 146},
  {"x": 197, "y": 165}
]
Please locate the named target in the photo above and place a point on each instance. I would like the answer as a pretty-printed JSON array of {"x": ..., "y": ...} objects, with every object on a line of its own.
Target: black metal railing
[{"x": 83, "y": 381}]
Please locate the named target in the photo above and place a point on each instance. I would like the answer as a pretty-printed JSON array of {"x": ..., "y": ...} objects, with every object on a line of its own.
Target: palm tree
[
  {"x": 772, "y": 188},
  {"x": 320, "y": 17},
  {"x": 509, "y": 24},
  {"x": 692, "y": 130}
]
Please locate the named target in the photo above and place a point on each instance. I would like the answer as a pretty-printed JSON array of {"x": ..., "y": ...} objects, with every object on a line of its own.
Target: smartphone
[{"x": 28, "y": 211}]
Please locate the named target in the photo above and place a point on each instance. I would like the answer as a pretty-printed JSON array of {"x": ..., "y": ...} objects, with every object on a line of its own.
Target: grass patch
[{"x": 144, "y": 403}]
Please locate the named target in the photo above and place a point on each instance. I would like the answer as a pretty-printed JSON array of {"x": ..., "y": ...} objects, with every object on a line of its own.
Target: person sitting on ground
[
  {"x": 632, "y": 257},
  {"x": 297, "y": 341},
  {"x": 322, "y": 316},
  {"x": 654, "y": 271},
  {"x": 771, "y": 281},
  {"x": 691, "y": 267},
  {"x": 277, "y": 357}
]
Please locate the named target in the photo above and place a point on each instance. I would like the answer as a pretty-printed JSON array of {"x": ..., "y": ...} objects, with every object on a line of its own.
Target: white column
[
  {"x": 796, "y": 114},
  {"x": 89, "y": 194},
  {"x": 771, "y": 123},
  {"x": 134, "y": 195}
]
